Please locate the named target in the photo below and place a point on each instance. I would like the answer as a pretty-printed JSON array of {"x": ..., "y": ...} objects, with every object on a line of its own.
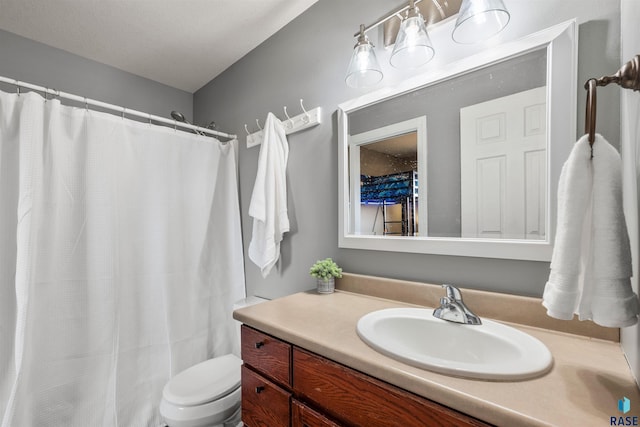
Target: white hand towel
[
  {"x": 268, "y": 205},
  {"x": 591, "y": 264},
  {"x": 608, "y": 300},
  {"x": 562, "y": 291}
]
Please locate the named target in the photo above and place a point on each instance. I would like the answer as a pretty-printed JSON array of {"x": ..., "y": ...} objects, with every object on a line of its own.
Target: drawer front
[
  {"x": 263, "y": 403},
  {"x": 266, "y": 354},
  {"x": 303, "y": 416},
  {"x": 355, "y": 399}
]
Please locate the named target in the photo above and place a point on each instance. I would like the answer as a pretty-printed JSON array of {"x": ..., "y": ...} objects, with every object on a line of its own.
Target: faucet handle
[{"x": 453, "y": 293}]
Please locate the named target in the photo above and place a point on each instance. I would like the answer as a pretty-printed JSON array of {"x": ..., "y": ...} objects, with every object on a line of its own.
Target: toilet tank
[{"x": 245, "y": 302}]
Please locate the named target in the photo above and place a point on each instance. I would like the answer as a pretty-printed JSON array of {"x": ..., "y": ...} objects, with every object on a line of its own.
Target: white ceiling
[{"x": 181, "y": 43}]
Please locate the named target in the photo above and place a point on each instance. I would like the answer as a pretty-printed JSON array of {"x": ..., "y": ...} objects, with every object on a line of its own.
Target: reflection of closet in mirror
[
  {"x": 384, "y": 177},
  {"x": 389, "y": 186}
]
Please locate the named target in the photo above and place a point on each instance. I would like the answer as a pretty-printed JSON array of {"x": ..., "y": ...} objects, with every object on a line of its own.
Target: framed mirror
[{"x": 464, "y": 160}]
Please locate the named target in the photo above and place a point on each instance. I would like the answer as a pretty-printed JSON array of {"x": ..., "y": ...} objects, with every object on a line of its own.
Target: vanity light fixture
[
  {"x": 477, "y": 20},
  {"x": 480, "y": 20},
  {"x": 413, "y": 47},
  {"x": 364, "y": 69}
]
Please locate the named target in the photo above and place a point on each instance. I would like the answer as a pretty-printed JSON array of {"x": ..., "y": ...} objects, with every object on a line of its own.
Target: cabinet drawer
[
  {"x": 266, "y": 354},
  {"x": 355, "y": 399},
  {"x": 303, "y": 416},
  {"x": 263, "y": 402}
]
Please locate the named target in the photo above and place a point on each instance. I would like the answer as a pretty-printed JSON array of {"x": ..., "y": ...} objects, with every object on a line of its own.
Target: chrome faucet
[{"x": 453, "y": 309}]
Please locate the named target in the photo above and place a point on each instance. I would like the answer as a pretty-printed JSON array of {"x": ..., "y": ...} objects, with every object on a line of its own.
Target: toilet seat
[
  {"x": 217, "y": 412},
  {"x": 205, "y": 382},
  {"x": 208, "y": 393}
]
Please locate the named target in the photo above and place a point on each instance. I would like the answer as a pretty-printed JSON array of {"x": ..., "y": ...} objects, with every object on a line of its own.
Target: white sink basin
[{"x": 491, "y": 351}]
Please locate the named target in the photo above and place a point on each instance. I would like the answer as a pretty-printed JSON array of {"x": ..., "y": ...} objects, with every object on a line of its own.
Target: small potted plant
[{"x": 325, "y": 271}]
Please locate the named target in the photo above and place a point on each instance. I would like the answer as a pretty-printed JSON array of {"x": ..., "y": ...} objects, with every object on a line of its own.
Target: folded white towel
[
  {"x": 591, "y": 263},
  {"x": 268, "y": 205}
]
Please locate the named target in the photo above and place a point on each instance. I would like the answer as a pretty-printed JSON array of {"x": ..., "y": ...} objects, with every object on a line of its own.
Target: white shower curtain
[{"x": 120, "y": 257}]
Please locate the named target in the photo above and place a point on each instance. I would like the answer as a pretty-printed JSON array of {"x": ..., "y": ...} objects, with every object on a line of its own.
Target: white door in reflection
[{"x": 503, "y": 167}]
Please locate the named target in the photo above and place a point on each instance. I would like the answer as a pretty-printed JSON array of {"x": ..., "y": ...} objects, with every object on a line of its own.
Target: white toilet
[{"x": 207, "y": 394}]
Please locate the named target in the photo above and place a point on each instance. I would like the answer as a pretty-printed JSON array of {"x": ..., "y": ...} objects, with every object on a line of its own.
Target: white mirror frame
[{"x": 560, "y": 42}]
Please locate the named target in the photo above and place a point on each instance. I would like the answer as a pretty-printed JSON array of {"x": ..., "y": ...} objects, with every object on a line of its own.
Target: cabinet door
[
  {"x": 303, "y": 416},
  {"x": 264, "y": 404},
  {"x": 355, "y": 399},
  {"x": 267, "y": 354}
]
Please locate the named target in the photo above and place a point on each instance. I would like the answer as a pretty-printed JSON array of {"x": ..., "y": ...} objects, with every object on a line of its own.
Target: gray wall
[
  {"x": 307, "y": 59},
  {"x": 32, "y": 62}
]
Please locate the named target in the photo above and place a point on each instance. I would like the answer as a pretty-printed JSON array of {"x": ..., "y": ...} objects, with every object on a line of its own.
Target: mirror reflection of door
[
  {"x": 503, "y": 167},
  {"x": 389, "y": 186}
]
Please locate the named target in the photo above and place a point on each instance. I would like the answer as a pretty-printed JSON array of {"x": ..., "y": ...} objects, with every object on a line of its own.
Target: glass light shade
[
  {"x": 364, "y": 69},
  {"x": 413, "y": 47},
  {"x": 479, "y": 20}
]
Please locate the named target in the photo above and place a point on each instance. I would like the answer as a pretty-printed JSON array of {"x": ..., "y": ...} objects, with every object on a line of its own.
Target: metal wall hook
[
  {"x": 246, "y": 129},
  {"x": 258, "y": 123},
  {"x": 306, "y": 117},
  {"x": 289, "y": 121},
  {"x": 627, "y": 77},
  {"x": 591, "y": 109}
]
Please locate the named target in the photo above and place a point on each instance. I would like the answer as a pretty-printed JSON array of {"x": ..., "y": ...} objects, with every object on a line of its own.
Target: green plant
[{"x": 325, "y": 269}]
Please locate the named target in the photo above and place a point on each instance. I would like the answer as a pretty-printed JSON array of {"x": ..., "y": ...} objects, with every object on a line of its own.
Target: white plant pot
[{"x": 326, "y": 286}]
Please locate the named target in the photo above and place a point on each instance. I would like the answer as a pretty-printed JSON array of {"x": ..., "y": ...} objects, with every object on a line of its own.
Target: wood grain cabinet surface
[
  {"x": 264, "y": 404},
  {"x": 267, "y": 355},
  {"x": 317, "y": 392}
]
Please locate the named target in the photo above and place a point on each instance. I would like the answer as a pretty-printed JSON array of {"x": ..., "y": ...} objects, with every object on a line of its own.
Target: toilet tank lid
[
  {"x": 251, "y": 300},
  {"x": 205, "y": 382}
]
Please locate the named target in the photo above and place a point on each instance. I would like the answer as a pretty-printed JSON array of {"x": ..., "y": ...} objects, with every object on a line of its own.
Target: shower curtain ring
[
  {"x": 86, "y": 104},
  {"x": 123, "y": 111}
]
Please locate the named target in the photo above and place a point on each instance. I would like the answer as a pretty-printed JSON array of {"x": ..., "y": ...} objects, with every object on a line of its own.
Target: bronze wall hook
[
  {"x": 627, "y": 77},
  {"x": 590, "y": 116}
]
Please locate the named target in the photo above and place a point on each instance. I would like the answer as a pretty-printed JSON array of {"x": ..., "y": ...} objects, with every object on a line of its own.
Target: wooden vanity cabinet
[
  {"x": 303, "y": 416},
  {"x": 263, "y": 402},
  {"x": 266, "y": 380},
  {"x": 317, "y": 392}
]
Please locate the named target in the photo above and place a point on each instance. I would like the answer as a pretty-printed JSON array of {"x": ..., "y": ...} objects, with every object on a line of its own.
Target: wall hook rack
[{"x": 305, "y": 120}]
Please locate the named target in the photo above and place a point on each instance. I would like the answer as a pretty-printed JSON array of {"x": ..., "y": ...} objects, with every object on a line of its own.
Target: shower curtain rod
[{"x": 122, "y": 110}]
